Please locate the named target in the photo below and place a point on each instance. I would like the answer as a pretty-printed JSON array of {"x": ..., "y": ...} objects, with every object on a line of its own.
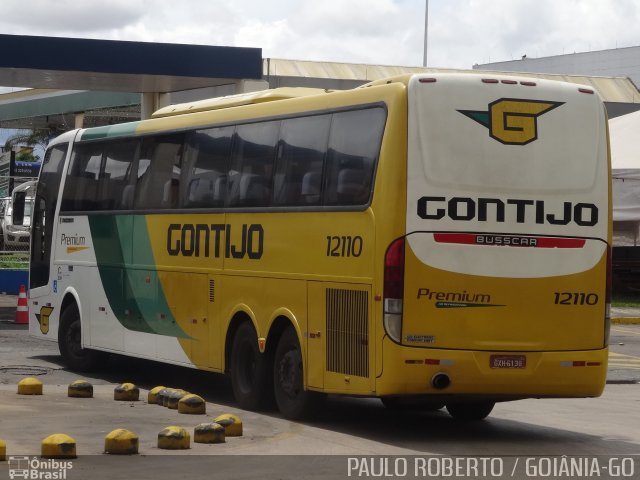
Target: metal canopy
[{"x": 108, "y": 65}]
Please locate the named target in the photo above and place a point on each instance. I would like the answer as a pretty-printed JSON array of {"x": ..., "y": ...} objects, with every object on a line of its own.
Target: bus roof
[{"x": 282, "y": 93}]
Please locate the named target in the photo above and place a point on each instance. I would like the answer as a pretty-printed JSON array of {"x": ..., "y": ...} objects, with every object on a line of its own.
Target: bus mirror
[{"x": 17, "y": 217}]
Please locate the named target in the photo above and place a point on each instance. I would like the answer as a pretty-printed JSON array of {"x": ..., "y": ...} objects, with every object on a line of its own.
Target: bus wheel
[
  {"x": 250, "y": 378},
  {"x": 294, "y": 402},
  {"x": 70, "y": 342},
  {"x": 469, "y": 411}
]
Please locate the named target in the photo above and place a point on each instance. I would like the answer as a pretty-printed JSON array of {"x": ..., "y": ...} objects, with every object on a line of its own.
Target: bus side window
[
  {"x": 158, "y": 187},
  {"x": 251, "y": 173},
  {"x": 303, "y": 146},
  {"x": 354, "y": 146},
  {"x": 205, "y": 167},
  {"x": 114, "y": 177},
  {"x": 81, "y": 186}
]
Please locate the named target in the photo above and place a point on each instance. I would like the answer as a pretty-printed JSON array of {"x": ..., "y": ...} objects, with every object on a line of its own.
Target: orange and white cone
[{"x": 22, "y": 311}]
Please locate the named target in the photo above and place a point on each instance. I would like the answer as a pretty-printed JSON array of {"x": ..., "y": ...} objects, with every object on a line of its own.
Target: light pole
[{"x": 426, "y": 30}]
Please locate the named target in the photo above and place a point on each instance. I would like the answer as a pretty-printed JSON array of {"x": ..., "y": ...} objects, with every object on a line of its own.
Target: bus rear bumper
[{"x": 502, "y": 375}]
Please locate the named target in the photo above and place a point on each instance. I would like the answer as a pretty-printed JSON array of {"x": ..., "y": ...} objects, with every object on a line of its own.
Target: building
[{"x": 618, "y": 62}]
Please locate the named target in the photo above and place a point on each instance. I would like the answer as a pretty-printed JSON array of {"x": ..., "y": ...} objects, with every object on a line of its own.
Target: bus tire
[
  {"x": 250, "y": 370},
  {"x": 294, "y": 402},
  {"x": 470, "y": 411},
  {"x": 70, "y": 342}
]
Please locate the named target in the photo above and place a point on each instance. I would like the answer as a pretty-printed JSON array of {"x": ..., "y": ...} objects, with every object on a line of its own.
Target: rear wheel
[
  {"x": 470, "y": 411},
  {"x": 250, "y": 370},
  {"x": 70, "y": 343},
  {"x": 294, "y": 402}
]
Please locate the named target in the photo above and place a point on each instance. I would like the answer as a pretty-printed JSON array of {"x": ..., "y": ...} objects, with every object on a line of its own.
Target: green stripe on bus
[
  {"x": 135, "y": 295},
  {"x": 109, "y": 131},
  {"x": 146, "y": 285}
]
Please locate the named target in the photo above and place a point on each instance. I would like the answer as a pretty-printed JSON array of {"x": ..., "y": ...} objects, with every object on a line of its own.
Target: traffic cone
[{"x": 22, "y": 311}]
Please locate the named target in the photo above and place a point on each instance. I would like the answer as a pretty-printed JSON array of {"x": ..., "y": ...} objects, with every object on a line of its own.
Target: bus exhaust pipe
[{"x": 440, "y": 381}]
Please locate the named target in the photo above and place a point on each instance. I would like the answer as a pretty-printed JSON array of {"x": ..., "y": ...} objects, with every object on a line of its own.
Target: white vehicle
[{"x": 17, "y": 234}]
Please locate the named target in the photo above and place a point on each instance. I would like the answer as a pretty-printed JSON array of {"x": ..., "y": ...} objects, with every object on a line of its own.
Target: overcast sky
[{"x": 461, "y": 32}]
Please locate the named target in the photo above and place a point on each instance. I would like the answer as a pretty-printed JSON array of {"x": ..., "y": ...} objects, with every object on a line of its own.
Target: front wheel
[
  {"x": 294, "y": 402},
  {"x": 250, "y": 370},
  {"x": 70, "y": 343},
  {"x": 470, "y": 411}
]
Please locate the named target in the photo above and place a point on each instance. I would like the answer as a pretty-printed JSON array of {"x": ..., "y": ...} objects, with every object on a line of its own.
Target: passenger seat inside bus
[
  {"x": 351, "y": 188},
  {"x": 254, "y": 190},
  {"x": 310, "y": 190}
]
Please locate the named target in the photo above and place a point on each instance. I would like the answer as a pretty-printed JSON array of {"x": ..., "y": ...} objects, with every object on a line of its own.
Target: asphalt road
[{"x": 348, "y": 427}]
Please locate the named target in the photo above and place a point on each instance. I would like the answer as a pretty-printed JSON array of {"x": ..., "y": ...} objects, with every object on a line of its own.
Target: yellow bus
[{"x": 436, "y": 239}]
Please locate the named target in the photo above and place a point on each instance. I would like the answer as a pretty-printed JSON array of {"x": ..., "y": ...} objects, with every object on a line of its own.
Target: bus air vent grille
[
  {"x": 212, "y": 291},
  {"x": 347, "y": 331}
]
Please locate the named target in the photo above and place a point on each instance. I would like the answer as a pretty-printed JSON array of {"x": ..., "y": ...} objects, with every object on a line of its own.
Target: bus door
[{"x": 47, "y": 193}]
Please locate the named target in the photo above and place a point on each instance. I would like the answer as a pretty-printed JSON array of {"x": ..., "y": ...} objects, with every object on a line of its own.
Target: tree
[{"x": 29, "y": 138}]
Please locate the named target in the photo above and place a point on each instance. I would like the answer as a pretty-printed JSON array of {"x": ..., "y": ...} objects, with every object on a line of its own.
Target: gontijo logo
[{"x": 512, "y": 121}]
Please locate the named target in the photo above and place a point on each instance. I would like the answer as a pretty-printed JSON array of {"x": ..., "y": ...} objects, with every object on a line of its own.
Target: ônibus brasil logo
[{"x": 512, "y": 121}]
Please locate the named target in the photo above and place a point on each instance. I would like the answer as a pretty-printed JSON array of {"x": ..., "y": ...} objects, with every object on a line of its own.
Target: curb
[{"x": 626, "y": 321}]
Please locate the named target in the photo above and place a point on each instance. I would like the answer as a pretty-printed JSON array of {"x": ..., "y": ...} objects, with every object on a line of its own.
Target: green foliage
[
  {"x": 14, "y": 261},
  {"x": 625, "y": 299}
]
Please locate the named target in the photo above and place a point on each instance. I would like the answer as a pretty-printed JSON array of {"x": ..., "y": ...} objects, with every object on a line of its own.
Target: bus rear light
[
  {"x": 394, "y": 276},
  {"x": 428, "y": 80},
  {"x": 586, "y": 90},
  {"x": 394, "y": 289},
  {"x": 509, "y": 82},
  {"x": 393, "y": 326},
  {"x": 439, "y": 361},
  {"x": 489, "y": 80},
  {"x": 528, "y": 84},
  {"x": 579, "y": 363},
  {"x": 607, "y": 300}
]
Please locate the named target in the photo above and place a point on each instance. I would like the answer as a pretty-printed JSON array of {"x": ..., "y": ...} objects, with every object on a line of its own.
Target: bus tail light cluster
[
  {"x": 607, "y": 300},
  {"x": 394, "y": 289}
]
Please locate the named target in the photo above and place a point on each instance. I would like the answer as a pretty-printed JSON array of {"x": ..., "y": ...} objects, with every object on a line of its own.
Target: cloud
[
  {"x": 44, "y": 17},
  {"x": 461, "y": 32}
]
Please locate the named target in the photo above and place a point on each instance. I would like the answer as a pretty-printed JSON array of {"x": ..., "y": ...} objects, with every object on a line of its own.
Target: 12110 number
[
  {"x": 344, "y": 246},
  {"x": 575, "y": 298}
]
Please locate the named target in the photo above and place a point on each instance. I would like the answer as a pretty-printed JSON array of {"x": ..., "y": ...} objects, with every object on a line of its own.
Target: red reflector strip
[
  {"x": 432, "y": 361},
  {"x": 593, "y": 364},
  {"x": 528, "y": 84},
  {"x": 414, "y": 362},
  {"x": 579, "y": 363},
  {"x": 428, "y": 80},
  {"x": 509, "y": 82},
  {"x": 586, "y": 90},
  {"x": 489, "y": 80},
  {"x": 491, "y": 240}
]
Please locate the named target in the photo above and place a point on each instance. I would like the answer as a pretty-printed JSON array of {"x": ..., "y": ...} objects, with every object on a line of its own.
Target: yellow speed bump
[
  {"x": 192, "y": 404},
  {"x": 152, "y": 396},
  {"x": 59, "y": 445},
  {"x": 121, "y": 442},
  {"x": 231, "y": 423},
  {"x": 80, "y": 389},
  {"x": 162, "y": 394},
  {"x": 29, "y": 386},
  {"x": 174, "y": 438},
  {"x": 3, "y": 450},
  {"x": 174, "y": 397},
  {"x": 126, "y": 392},
  {"x": 208, "y": 433}
]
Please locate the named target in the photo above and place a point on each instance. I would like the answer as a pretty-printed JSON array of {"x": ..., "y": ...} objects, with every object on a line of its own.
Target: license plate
[{"x": 508, "y": 361}]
